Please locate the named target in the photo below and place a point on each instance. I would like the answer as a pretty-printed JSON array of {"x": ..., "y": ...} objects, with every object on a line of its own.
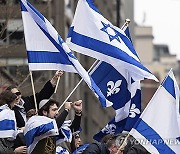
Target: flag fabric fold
[
  {"x": 123, "y": 91},
  {"x": 7, "y": 122},
  {"x": 93, "y": 35},
  {"x": 47, "y": 51},
  {"x": 38, "y": 128},
  {"x": 158, "y": 129},
  {"x": 66, "y": 134}
]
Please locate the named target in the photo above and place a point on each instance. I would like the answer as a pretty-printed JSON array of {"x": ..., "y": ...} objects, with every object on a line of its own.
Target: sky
[{"x": 164, "y": 17}]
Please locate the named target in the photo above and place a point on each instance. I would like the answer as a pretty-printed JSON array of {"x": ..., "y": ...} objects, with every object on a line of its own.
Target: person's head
[
  {"x": 14, "y": 90},
  {"x": 76, "y": 141},
  {"x": 7, "y": 97},
  {"x": 112, "y": 146},
  {"x": 48, "y": 108},
  {"x": 30, "y": 113}
]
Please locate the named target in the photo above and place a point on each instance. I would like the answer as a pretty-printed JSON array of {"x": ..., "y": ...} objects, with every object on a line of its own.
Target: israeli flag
[
  {"x": 8, "y": 127},
  {"x": 38, "y": 128},
  {"x": 66, "y": 134},
  {"x": 47, "y": 51},
  {"x": 158, "y": 127},
  {"x": 123, "y": 91},
  {"x": 61, "y": 150},
  {"x": 93, "y": 35}
]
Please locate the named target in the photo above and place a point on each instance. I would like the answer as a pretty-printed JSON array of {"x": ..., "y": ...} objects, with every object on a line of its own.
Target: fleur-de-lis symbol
[
  {"x": 109, "y": 129},
  {"x": 113, "y": 88},
  {"x": 134, "y": 111}
]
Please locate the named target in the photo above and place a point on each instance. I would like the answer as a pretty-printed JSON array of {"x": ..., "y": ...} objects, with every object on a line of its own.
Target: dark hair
[
  {"x": 7, "y": 97},
  {"x": 106, "y": 138},
  {"x": 11, "y": 87},
  {"x": 46, "y": 107}
]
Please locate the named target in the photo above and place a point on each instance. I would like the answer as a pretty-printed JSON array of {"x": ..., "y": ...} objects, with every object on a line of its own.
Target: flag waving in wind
[
  {"x": 158, "y": 129},
  {"x": 47, "y": 51},
  {"x": 93, "y": 35},
  {"x": 125, "y": 94}
]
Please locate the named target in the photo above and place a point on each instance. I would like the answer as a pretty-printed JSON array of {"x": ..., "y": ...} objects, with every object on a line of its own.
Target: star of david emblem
[{"x": 110, "y": 31}]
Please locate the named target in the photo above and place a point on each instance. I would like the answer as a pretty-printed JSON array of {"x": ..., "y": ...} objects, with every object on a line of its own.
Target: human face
[
  {"x": 18, "y": 94},
  {"x": 77, "y": 141},
  {"x": 53, "y": 111},
  {"x": 13, "y": 103},
  {"x": 114, "y": 149}
]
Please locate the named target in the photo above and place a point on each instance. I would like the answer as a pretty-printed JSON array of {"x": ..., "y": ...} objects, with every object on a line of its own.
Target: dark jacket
[
  {"x": 45, "y": 93},
  {"x": 96, "y": 148}
]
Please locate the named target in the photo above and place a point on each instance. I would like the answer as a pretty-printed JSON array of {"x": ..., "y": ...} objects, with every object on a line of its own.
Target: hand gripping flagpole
[
  {"x": 127, "y": 21},
  {"x": 32, "y": 83}
]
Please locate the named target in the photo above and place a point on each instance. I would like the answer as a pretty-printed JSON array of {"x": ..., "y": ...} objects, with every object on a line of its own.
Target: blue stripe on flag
[
  {"x": 92, "y": 6},
  {"x": 46, "y": 57},
  {"x": 37, "y": 12},
  {"x": 66, "y": 132},
  {"x": 58, "y": 46},
  {"x": 108, "y": 49},
  {"x": 7, "y": 125},
  {"x": 169, "y": 86},
  {"x": 151, "y": 135},
  {"x": 23, "y": 8},
  {"x": 35, "y": 132}
]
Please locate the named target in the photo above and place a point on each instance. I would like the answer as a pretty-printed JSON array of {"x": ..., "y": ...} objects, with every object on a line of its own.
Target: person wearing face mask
[{"x": 24, "y": 104}]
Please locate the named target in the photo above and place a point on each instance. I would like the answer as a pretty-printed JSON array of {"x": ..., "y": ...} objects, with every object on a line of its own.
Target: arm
[
  {"x": 77, "y": 105},
  {"x": 45, "y": 93},
  {"x": 61, "y": 118}
]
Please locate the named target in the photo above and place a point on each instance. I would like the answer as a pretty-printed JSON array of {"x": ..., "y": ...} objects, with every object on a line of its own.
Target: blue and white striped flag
[
  {"x": 125, "y": 94},
  {"x": 158, "y": 126},
  {"x": 7, "y": 122},
  {"x": 38, "y": 128},
  {"x": 66, "y": 133},
  {"x": 61, "y": 150},
  {"x": 93, "y": 35},
  {"x": 47, "y": 51}
]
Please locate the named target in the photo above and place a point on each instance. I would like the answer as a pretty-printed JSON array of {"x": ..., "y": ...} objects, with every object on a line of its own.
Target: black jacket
[
  {"x": 96, "y": 148},
  {"x": 45, "y": 93}
]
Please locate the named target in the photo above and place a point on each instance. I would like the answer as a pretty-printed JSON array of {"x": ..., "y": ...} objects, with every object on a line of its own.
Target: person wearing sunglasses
[{"x": 24, "y": 104}]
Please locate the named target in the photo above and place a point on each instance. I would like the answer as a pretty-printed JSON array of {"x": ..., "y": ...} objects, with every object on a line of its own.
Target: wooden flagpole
[{"x": 32, "y": 83}]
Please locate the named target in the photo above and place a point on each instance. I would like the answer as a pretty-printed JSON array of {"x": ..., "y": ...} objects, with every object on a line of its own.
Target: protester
[
  {"x": 24, "y": 104},
  {"x": 8, "y": 129},
  {"x": 109, "y": 147},
  {"x": 49, "y": 109}
]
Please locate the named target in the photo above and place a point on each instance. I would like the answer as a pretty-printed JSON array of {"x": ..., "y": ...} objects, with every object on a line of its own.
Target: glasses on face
[{"x": 17, "y": 93}]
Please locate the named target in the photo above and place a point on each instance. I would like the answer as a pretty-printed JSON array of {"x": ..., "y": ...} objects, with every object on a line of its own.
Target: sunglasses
[
  {"x": 76, "y": 136},
  {"x": 17, "y": 93}
]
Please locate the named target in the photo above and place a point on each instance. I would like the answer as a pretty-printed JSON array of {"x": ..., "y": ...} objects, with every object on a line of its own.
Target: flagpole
[
  {"x": 127, "y": 21},
  {"x": 57, "y": 85},
  {"x": 32, "y": 83},
  {"x": 94, "y": 64}
]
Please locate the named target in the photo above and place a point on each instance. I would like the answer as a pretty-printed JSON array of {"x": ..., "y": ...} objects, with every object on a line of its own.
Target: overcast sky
[{"x": 164, "y": 17}]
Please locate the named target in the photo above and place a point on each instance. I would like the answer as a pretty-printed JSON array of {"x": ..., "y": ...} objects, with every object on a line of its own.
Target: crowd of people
[{"x": 24, "y": 130}]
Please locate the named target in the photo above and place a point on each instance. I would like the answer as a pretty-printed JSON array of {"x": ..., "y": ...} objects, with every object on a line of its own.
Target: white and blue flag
[
  {"x": 125, "y": 94},
  {"x": 158, "y": 126},
  {"x": 66, "y": 133},
  {"x": 61, "y": 150},
  {"x": 38, "y": 128},
  {"x": 47, "y": 51},
  {"x": 8, "y": 127},
  {"x": 93, "y": 35}
]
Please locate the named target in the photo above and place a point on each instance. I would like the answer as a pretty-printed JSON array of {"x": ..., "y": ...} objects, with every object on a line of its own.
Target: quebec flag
[
  {"x": 93, "y": 35},
  {"x": 47, "y": 51},
  {"x": 7, "y": 122},
  {"x": 38, "y": 128},
  {"x": 125, "y": 95},
  {"x": 158, "y": 126}
]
